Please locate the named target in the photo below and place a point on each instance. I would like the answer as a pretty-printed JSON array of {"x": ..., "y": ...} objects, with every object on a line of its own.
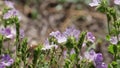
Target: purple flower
[
  {"x": 1, "y": 65},
  {"x": 10, "y": 33},
  {"x": 90, "y": 37},
  {"x": 98, "y": 59},
  {"x": 117, "y": 2},
  {"x": 113, "y": 40},
  {"x": 101, "y": 65},
  {"x": 11, "y": 13},
  {"x": 9, "y": 4},
  {"x": 94, "y": 3},
  {"x": 47, "y": 46},
  {"x": 7, "y": 32},
  {"x": 6, "y": 60},
  {"x": 59, "y": 36},
  {"x": 72, "y": 32},
  {"x": 90, "y": 55}
]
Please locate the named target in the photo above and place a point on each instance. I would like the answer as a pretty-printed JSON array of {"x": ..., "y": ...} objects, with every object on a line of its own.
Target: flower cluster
[
  {"x": 6, "y": 60},
  {"x": 48, "y": 46},
  {"x": 10, "y": 33},
  {"x": 71, "y": 32},
  {"x": 12, "y": 13},
  {"x": 97, "y": 58}
]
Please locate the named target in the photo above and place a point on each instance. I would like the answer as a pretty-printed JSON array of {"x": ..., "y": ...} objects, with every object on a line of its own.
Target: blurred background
[{"x": 40, "y": 17}]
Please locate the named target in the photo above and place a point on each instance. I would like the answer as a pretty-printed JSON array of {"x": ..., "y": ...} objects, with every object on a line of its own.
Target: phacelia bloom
[
  {"x": 9, "y": 4},
  {"x": 101, "y": 65},
  {"x": 59, "y": 36},
  {"x": 98, "y": 58},
  {"x": 7, "y": 32},
  {"x": 90, "y": 37},
  {"x": 94, "y": 3},
  {"x": 72, "y": 32},
  {"x": 6, "y": 60},
  {"x": 117, "y": 2},
  {"x": 11, "y": 13},
  {"x": 47, "y": 45},
  {"x": 90, "y": 55},
  {"x": 10, "y": 33},
  {"x": 113, "y": 40}
]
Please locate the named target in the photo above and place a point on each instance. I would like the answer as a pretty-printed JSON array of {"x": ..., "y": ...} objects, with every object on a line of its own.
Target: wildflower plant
[
  {"x": 113, "y": 23},
  {"x": 69, "y": 49}
]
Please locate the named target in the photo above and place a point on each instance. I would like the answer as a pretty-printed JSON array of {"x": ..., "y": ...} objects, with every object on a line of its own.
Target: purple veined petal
[
  {"x": 90, "y": 37},
  {"x": 59, "y": 36},
  {"x": 6, "y": 60},
  {"x": 76, "y": 33},
  {"x": 9, "y": 4},
  {"x": 2, "y": 66},
  {"x": 90, "y": 55},
  {"x": 98, "y": 58},
  {"x": 94, "y": 3},
  {"x": 113, "y": 40},
  {"x": 54, "y": 34},
  {"x": 92, "y": 52},
  {"x": 101, "y": 65},
  {"x": 12, "y": 13},
  {"x": 47, "y": 46},
  {"x": 7, "y": 15},
  {"x": 71, "y": 32},
  {"x": 7, "y": 31},
  {"x": 117, "y": 2},
  {"x": 12, "y": 33},
  {"x": 61, "y": 39}
]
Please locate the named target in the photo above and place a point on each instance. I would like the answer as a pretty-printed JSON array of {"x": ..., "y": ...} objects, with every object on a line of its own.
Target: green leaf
[
  {"x": 72, "y": 57},
  {"x": 81, "y": 40},
  {"x": 71, "y": 42},
  {"x": 112, "y": 49},
  {"x": 108, "y": 37}
]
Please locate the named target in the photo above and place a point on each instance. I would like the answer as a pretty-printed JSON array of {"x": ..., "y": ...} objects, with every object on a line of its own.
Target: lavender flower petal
[
  {"x": 99, "y": 58},
  {"x": 90, "y": 37},
  {"x": 94, "y": 3},
  {"x": 9, "y": 4},
  {"x": 101, "y": 65},
  {"x": 113, "y": 40},
  {"x": 6, "y": 60},
  {"x": 117, "y": 2}
]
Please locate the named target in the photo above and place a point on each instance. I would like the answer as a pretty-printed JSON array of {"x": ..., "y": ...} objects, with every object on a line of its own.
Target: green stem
[
  {"x": 1, "y": 43},
  {"x": 108, "y": 23},
  {"x": 17, "y": 35}
]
